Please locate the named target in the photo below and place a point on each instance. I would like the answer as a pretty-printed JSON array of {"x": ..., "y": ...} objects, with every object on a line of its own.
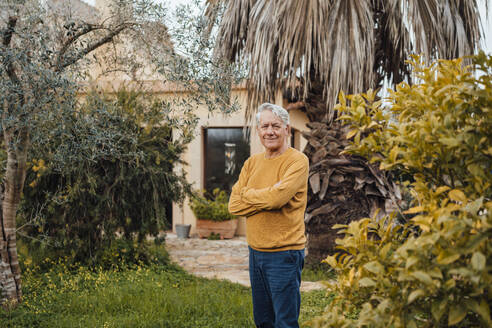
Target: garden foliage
[
  {"x": 107, "y": 172},
  {"x": 436, "y": 270},
  {"x": 214, "y": 207}
]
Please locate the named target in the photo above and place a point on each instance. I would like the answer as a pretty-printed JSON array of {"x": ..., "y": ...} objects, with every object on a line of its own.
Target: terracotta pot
[{"x": 226, "y": 229}]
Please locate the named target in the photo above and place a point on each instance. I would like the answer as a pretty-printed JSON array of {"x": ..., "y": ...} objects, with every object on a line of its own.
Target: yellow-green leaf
[
  {"x": 456, "y": 314},
  {"x": 451, "y": 142},
  {"x": 341, "y": 99},
  {"x": 367, "y": 282},
  {"x": 457, "y": 195},
  {"x": 413, "y": 210},
  {"x": 344, "y": 117},
  {"x": 351, "y": 133},
  {"x": 331, "y": 261},
  {"x": 394, "y": 153},
  {"x": 422, "y": 276},
  {"x": 442, "y": 189},
  {"x": 384, "y": 250},
  {"x": 374, "y": 267},
  {"x": 411, "y": 261},
  {"x": 414, "y": 295},
  {"x": 478, "y": 261}
]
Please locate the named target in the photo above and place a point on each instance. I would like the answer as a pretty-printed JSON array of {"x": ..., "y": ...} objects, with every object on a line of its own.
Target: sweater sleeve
[
  {"x": 275, "y": 197},
  {"x": 236, "y": 205}
]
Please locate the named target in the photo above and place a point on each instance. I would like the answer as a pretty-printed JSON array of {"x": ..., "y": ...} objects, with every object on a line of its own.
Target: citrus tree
[{"x": 436, "y": 270}]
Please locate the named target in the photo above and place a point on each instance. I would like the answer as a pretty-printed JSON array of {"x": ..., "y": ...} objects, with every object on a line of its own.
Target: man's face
[{"x": 272, "y": 131}]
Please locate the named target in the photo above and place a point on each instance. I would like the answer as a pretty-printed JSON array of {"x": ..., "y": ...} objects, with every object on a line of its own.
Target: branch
[
  {"x": 108, "y": 38},
  {"x": 87, "y": 29},
  {"x": 7, "y": 62},
  {"x": 7, "y": 34}
]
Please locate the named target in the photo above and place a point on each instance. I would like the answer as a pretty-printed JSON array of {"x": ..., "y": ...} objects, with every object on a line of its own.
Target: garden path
[{"x": 218, "y": 259}]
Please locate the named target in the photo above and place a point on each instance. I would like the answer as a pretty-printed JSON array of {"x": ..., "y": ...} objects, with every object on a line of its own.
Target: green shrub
[
  {"x": 107, "y": 173},
  {"x": 436, "y": 270},
  {"x": 214, "y": 209}
]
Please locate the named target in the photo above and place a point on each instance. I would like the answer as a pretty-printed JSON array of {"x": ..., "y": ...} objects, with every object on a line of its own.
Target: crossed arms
[{"x": 246, "y": 201}]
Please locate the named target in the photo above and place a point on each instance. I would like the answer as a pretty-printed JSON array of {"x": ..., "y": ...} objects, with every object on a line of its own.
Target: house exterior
[
  {"x": 215, "y": 157},
  {"x": 224, "y": 133}
]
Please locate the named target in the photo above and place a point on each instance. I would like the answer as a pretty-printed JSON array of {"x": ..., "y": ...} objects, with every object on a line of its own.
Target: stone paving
[{"x": 219, "y": 259}]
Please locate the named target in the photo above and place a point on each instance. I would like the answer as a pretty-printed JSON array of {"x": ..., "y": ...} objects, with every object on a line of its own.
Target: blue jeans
[{"x": 275, "y": 281}]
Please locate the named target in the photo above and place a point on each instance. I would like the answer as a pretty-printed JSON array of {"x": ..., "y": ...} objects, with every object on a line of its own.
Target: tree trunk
[
  {"x": 342, "y": 188},
  {"x": 10, "y": 275}
]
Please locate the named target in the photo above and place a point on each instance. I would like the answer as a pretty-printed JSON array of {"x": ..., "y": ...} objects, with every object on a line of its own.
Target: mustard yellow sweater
[{"x": 272, "y": 194}]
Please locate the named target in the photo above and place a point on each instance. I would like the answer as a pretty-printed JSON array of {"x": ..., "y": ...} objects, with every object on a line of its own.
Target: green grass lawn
[{"x": 153, "y": 296}]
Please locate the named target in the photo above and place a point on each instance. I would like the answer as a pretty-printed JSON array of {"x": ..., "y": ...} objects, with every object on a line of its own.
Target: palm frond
[{"x": 339, "y": 44}]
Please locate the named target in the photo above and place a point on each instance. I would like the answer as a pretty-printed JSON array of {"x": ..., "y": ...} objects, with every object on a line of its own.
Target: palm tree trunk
[
  {"x": 342, "y": 188},
  {"x": 10, "y": 273}
]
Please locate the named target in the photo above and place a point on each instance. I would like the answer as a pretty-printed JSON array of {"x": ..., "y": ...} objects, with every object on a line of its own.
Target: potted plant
[{"x": 213, "y": 215}]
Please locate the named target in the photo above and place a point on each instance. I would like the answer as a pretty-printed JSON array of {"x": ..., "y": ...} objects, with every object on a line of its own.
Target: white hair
[{"x": 279, "y": 111}]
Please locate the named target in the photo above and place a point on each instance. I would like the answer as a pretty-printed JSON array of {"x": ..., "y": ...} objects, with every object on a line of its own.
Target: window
[{"x": 225, "y": 152}]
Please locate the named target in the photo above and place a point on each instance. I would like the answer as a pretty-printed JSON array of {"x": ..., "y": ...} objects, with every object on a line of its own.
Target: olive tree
[{"x": 47, "y": 52}]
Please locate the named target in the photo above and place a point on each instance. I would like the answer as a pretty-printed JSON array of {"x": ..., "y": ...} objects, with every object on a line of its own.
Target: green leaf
[
  {"x": 481, "y": 309},
  {"x": 474, "y": 242},
  {"x": 412, "y": 324},
  {"x": 367, "y": 282},
  {"x": 436, "y": 273},
  {"x": 476, "y": 170},
  {"x": 478, "y": 261},
  {"x": 445, "y": 257},
  {"x": 456, "y": 314},
  {"x": 438, "y": 308}
]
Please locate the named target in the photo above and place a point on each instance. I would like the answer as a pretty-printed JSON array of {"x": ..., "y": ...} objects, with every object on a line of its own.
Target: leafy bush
[
  {"x": 436, "y": 270},
  {"x": 214, "y": 209},
  {"x": 106, "y": 173}
]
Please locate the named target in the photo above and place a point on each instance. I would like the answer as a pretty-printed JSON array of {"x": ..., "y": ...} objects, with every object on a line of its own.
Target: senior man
[{"x": 272, "y": 193}]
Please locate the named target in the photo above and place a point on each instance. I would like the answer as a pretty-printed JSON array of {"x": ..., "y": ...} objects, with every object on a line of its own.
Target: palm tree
[{"x": 312, "y": 49}]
